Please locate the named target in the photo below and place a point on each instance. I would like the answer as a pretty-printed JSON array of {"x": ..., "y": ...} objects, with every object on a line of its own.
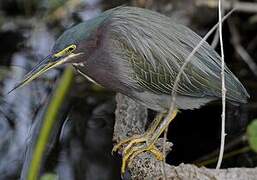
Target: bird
[{"x": 139, "y": 53}]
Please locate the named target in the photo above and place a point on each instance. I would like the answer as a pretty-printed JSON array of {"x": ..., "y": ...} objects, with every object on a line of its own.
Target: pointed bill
[
  {"x": 49, "y": 62},
  {"x": 43, "y": 66}
]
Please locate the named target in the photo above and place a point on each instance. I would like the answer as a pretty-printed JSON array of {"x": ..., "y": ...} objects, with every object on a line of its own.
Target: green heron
[{"x": 139, "y": 53}]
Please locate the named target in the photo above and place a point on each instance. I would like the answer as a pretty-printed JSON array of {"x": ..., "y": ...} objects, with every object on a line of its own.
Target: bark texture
[{"x": 131, "y": 119}]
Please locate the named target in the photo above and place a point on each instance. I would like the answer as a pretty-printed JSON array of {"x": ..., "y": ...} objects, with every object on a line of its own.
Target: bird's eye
[
  {"x": 68, "y": 50},
  {"x": 71, "y": 48}
]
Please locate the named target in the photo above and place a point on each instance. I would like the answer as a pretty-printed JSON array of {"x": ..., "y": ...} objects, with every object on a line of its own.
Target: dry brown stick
[
  {"x": 215, "y": 40},
  {"x": 131, "y": 118},
  {"x": 248, "y": 7},
  {"x": 239, "y": 139},
  {"x": 240, "y": 49}
]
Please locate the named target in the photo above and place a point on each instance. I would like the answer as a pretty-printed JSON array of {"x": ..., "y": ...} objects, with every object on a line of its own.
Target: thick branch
[{"x": 131, "y": 119}]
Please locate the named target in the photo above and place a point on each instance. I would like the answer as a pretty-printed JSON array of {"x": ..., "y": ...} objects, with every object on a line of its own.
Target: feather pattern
[{"x": 156, "y": 48}]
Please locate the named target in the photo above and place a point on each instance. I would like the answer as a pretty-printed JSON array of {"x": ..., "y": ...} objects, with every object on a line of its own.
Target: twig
[
  {"x": 226, "y": 156},
  {"x": 235, "y": 142},
  {"x": 247, "y": 7},
  {"x": 188, "y": 60},
  {"x": 241, "y": 50},
  {"x": 223, "y": 133},
  {"x": 215, "y": 40},
  {"x": 164, "y": 153},
  {"x": 175, "y": 86},
  {"x": 173, "y": 98}
]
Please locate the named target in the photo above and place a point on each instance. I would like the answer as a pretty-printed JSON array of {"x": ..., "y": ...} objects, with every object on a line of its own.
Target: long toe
[
  {"x": 136, "y": 150},
  {"x": 135, "y": 145}
]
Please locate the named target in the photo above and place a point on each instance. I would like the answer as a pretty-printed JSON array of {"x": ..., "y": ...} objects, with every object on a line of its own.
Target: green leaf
[
  {"x": 59, "y": 96},
  {"x": 252, "y": 135},
  {"x": 49, "y": 176}
]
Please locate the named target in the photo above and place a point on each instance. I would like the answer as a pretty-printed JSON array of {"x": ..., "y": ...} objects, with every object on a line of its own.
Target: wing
[
  {"x": 157, "y": 48},
  {"x": 156, "y": 79}
]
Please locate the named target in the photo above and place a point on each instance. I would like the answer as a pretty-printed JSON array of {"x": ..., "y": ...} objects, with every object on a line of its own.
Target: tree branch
[{"x": 131, "y": 119}]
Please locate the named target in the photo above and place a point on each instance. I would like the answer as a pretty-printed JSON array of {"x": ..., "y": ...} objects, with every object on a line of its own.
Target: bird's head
[{"x": 71, "y": 47}]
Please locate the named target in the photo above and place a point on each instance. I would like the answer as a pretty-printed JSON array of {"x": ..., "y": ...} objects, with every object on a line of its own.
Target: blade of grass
[{"x": 51, "y": 114}]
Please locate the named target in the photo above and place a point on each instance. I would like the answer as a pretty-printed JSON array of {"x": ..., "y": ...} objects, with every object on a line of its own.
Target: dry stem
[
  {"x": 223, "y": 134},
  {"x": 241, "y": 50}
]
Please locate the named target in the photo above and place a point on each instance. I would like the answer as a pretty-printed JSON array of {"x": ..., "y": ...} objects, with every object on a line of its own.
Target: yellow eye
[
  {"x": 70, "y": 48},
  {"x": 66, "y": 51}
]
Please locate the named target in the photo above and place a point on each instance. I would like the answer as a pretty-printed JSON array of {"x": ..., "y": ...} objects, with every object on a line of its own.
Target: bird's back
[{"x": 156, "y": 47}]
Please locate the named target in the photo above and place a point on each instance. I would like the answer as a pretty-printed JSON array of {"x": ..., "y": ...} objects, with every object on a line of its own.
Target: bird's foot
[{"x": 134, "y": 146}]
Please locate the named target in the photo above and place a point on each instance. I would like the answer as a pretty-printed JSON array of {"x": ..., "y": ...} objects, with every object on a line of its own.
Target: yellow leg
[
  {"x": 145, "y": 142},
  {"x": 164, "y": 125},
  {"x": 138, "y": 138}
]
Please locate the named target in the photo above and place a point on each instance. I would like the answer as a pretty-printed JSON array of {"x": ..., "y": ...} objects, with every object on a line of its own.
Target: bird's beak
[{"x": 44, "y": 65}]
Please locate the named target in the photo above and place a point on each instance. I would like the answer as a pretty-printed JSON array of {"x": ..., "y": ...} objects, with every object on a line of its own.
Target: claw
[
  {"x": 123, "y": 142},
  {"x": 133, "y": 142},
  {"x": 134, "y": 146},
  {"x": 145, "y": 142},
  {"x": 136, "y": 151}
]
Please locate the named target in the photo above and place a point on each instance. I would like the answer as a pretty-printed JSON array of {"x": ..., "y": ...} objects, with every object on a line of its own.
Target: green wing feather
[{"x": 156, "y": 48}]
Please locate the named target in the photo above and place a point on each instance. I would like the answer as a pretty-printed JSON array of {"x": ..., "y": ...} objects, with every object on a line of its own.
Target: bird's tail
[{"x": 236, "y": 93}]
